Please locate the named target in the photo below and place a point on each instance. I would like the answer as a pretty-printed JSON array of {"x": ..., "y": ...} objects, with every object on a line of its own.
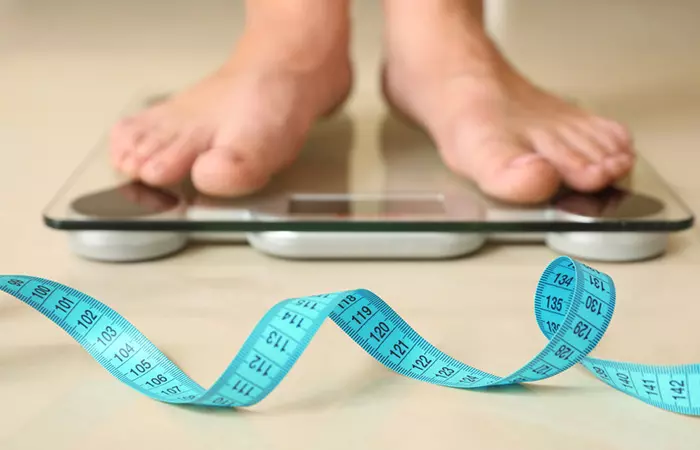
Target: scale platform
[{"x": 363, "y": 187}]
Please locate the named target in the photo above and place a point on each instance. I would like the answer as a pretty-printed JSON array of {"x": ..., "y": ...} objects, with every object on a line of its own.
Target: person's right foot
[{"x": 235, "y": 129}]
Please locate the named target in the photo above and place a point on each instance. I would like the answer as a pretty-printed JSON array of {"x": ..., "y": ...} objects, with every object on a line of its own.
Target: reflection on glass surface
[
  {"x": 610, "y": 204},
  {"x": 361, "y": 176},
  {"x": 366, "y": 207},
  {"x": 127, "y": 201}
]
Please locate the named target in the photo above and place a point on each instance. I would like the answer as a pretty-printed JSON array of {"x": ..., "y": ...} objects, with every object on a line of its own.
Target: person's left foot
[{"x": 517, "y": 142}]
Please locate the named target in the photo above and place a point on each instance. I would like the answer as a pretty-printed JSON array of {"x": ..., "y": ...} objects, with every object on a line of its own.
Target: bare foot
[
  {"x": 517, "y": 142},
  {"x": 239, "y": 126}
]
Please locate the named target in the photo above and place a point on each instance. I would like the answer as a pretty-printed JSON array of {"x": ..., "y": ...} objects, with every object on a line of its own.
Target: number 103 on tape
[{"x": 574, "y": 304}]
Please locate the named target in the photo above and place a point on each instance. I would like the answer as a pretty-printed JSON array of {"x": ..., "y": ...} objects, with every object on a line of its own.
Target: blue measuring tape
[{"x": 573, "y": 307}]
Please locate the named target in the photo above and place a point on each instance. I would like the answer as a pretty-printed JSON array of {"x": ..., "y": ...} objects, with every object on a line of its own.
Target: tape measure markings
[{"x": 574, "y": 305}]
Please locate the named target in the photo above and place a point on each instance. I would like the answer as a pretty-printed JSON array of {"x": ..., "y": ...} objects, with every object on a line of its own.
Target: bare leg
[
  {"x": 240, "y": 125},
  {"x": 516, "y": 141}
]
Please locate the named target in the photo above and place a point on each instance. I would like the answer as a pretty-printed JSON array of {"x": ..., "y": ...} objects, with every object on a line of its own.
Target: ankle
[
  {"x": 440, "y": 38},
  {"x": 300, "y": 35},
  {"x": 427, "y": 13}
]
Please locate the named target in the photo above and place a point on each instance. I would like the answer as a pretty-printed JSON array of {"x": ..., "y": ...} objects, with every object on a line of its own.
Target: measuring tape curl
[{"x": 573, "y": 307}]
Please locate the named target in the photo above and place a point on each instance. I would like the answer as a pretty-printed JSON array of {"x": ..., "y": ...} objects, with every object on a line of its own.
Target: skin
[{"x": 239, "y": 126}]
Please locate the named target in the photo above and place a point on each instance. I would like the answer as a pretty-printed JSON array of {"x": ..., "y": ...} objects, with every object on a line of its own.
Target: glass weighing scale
[{"x": 377, "y": 192}]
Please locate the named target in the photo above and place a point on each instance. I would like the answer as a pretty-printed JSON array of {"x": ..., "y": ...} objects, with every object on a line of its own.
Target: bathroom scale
[{"x": 363, "y": 186}]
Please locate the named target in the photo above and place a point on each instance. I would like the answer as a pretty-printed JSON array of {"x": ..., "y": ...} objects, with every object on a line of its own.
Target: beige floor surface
[{"x": 67, "y": 67}]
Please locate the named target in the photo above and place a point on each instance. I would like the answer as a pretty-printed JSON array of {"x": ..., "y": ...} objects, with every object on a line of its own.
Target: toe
[
  {"x": 620, "y": 165},
  {"x": 229, "y": 171},
  {"x": 611, "y": 136},
  {"x": 123, "y": 136},
  {"x": 619, "y": 133},
  {"x": 614, "y": 140},
  {"x": 578, "y": 171},
  {"x": 577, "y": 140},
  {"x": 528, "y": 178},
  {"x": 596, "y": 134},
  {"x": 172, "y": 162},
  {"x": 243, "y": 158},
  {"x": 154, "y": 141},
  {"x": 505, "y": 170}
]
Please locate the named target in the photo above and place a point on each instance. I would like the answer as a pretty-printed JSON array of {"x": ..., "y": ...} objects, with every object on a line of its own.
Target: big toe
[
  {"x": 507, "y": 171},
  {"x": 230, "y": 172},
  {"x": 243, "y": 158}
]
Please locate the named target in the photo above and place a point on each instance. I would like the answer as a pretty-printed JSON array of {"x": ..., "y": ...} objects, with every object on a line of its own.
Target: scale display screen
[{"x": 366, "y": 207}]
